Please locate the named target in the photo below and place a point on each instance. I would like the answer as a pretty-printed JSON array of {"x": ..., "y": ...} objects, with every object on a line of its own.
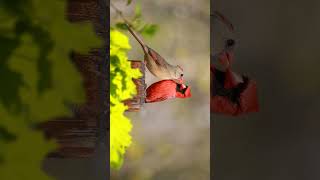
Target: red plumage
[
  {"x": 232, "y": 95},
  {"x": 166, "y": 89}
]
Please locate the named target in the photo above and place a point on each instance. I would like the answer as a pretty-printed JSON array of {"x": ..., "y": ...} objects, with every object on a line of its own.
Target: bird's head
[{"x": 178, "y": 74}]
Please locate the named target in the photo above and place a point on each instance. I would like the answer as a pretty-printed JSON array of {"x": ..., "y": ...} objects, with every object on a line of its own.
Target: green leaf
[
  {"x": 23, "y": 157},
  {"x": 149, "y": 30},
  {"x": 121, "y": 26},
  {"x": 129, "y": 2}
]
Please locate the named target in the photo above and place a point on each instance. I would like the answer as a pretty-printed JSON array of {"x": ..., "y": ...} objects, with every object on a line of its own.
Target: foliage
[
  {"x": 129, "y": 2},
  {"x": 38, "y": 80},
  {"x": 137, "y": 23},
  {"x": 121, "y": 88}
]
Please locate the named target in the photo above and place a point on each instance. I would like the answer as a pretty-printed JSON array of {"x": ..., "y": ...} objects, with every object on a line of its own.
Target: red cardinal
[
  {"x": 231, "y": 94},
  {"x": 166, "y": 89}
]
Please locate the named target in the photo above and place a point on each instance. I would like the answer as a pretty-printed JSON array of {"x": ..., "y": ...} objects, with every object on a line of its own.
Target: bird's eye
[
  {"x": 181, "y": 75},
  {"x": 230, "y": 42}
]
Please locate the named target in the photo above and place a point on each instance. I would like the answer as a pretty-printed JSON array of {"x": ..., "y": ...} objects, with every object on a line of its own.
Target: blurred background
[
  {"x": 278, "y": 45},
  {"x": 171, "y": 139}
]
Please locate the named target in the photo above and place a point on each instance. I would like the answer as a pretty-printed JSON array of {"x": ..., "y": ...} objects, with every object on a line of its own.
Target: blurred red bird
[
  {"x": 166, "y": 89},
  {"x": 231, "y": 94}
]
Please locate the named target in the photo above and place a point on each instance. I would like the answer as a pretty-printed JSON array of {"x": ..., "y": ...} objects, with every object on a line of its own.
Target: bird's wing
[
  {"x": 159, "y": 99},
  {"x": 157, "y": 58}
]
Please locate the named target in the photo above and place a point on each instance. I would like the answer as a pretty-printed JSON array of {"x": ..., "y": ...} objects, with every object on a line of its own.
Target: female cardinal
[
  {"x": 157, "y": 65},
  {"x": 231, "y": 94},
  {"x": 166, "y": 89}
]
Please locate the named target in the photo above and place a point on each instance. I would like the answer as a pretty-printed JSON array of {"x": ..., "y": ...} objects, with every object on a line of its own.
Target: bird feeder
[{"x": 136, "y": 102}]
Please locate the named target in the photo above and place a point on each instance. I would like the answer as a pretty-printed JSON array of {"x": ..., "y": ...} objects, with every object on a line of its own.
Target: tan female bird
[{"x": 156, "y": 64}]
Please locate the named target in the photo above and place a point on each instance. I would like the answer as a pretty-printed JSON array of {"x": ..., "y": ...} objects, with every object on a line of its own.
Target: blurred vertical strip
[
  {"x": 211, "y": 119},
  {"x": 103, "y": 148}
]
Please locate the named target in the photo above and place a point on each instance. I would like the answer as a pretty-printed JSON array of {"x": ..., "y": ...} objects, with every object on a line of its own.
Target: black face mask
[
  {"x": 220, "y": 76},
  {"x": 234, "y": 93},
  {"x": 178, "y": 88}
]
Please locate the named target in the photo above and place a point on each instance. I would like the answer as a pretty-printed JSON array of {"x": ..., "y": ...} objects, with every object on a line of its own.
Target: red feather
[
  {"x": 246, "y": 102},
  {"x": 166, "y": 89}
]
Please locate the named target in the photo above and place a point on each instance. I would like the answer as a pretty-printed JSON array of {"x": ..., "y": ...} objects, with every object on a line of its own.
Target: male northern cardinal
[
  {"x": 166, "y": 89},
  {"x": 157, "y": 65},
  {"x": 231, "y": 94}
]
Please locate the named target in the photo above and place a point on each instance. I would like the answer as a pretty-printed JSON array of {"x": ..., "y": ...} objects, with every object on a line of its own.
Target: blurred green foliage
[
  {"x": 37, "y": 78},
  {"x": 129, "y": 2},
  {"x": 121, "y": 88},
  {"x": 137, "y": 23}
]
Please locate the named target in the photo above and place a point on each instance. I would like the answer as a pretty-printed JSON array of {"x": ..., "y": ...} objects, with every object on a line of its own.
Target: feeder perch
[{"x": 137, "y": 101}]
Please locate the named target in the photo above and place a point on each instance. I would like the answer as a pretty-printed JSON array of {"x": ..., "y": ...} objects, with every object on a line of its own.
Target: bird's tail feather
[
  {"x": 144, "y": 47},
  {"x": 224, "y": 20}
]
